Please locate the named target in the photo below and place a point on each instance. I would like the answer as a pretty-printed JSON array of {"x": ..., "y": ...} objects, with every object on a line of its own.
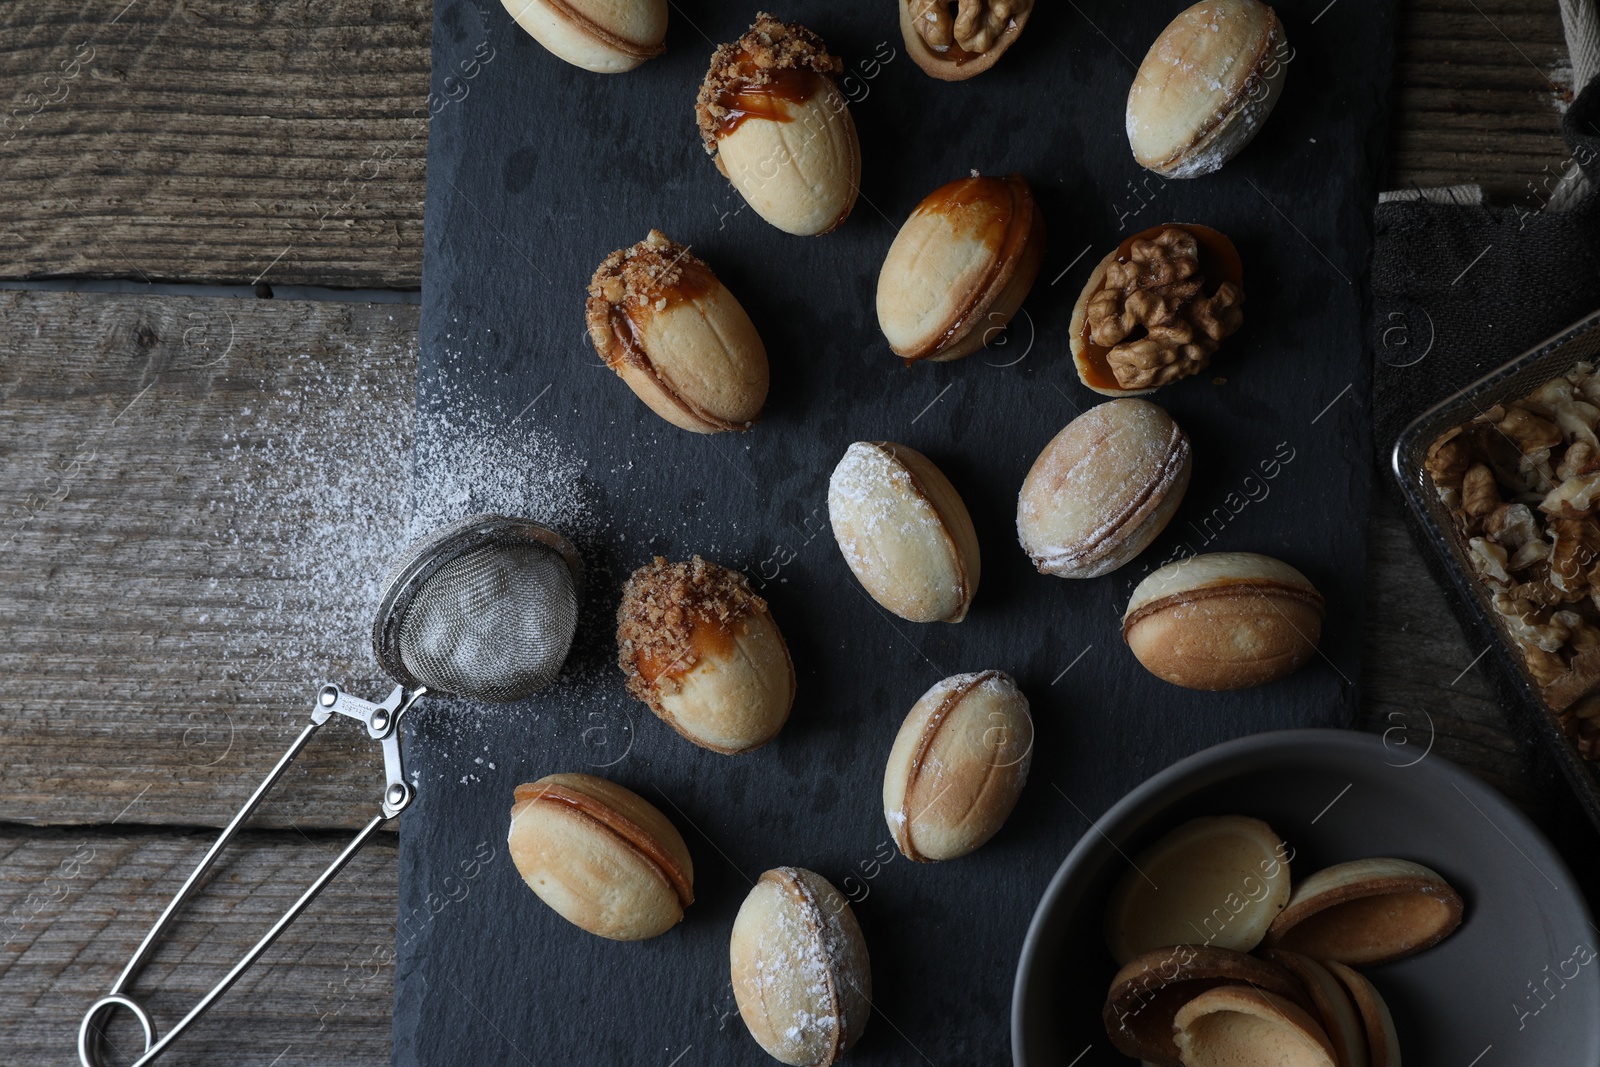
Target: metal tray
[{"x": 1554, "y": 357}]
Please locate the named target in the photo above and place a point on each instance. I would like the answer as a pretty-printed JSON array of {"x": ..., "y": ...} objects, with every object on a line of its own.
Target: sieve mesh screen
[{"x": 493, "y": 624}]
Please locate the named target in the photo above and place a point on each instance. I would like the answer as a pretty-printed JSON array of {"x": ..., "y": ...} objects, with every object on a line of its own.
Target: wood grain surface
[
  {"x": 203, "y": 140},
  {"x": 1421, "y": 678},
  {"x": 1478, "y": 89},
  {"x": 214, "y": 141},
  {"x": 199, "y": 498},
  {"x": 74, "y": 906},
  {"x": 200, "y": 141}
]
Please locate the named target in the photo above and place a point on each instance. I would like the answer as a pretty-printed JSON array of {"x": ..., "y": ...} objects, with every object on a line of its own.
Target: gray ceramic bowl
[{"x": 1518, "y": 983}]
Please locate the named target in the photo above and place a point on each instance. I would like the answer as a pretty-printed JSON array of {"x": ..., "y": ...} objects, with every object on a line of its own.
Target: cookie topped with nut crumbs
[
  {"x": 653, "y": 270},
  {"x": 662, "y": 604},
  {"x": 769, "y": 45}
]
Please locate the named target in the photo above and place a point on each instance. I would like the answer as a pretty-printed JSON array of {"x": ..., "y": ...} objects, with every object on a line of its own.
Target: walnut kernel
[
  {"x": 1522, "y": 482},
  {"x": 974, "y": 27},
  {"x": 1154, "y": 314}
]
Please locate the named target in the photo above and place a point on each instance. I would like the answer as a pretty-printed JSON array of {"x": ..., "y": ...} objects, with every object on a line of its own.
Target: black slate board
[{"x": 536, "y": 171}]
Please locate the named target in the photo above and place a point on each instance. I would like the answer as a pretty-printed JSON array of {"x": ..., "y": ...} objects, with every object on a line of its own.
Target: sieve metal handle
[{"x": 383, "y": 725}]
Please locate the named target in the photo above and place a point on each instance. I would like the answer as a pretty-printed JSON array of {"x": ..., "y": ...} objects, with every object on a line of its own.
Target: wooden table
[{"x": 185, "y": 474}]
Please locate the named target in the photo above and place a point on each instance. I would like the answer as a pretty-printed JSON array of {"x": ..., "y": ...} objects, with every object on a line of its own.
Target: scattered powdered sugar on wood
[{"x": 314, "y": 486}]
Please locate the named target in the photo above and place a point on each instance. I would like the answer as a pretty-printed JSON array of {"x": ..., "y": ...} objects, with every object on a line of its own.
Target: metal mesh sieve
[{"x": 486, "y": 608}]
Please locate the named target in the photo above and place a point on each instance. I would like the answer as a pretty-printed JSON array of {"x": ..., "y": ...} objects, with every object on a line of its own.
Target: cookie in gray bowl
[{"x": 1520, "y": 975}]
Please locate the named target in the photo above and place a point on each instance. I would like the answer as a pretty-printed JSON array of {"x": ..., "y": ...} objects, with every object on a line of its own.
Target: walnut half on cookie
[
  {"x": 953, "y": 40},
  {"x": 1156, "y": 309}
]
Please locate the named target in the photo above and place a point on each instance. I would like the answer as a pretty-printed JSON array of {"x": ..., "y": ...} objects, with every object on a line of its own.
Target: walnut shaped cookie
[
  {"x": 703, "y": 652},
  {"x": 605, "y": 36},
  {"x": 771, "y": 114},
  {"x": 663, "y": 321},
  {"x": 1156, "y": 309},
  {"x": 1206, "y": 87}
]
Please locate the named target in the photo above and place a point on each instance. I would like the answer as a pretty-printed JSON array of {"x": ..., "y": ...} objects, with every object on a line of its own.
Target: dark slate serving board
[{"x": 537, "y": 170}]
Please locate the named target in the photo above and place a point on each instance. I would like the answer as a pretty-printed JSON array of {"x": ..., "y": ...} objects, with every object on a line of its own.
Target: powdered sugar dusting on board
[
  {"x": 470, "y": 460},
  {"x": 474, "y": 457}
]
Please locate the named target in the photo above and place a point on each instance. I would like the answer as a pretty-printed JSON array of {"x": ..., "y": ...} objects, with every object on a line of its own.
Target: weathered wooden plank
[
  {"x": 198, "y": 498},
  {"x": 73, "y": 906},
  {"x": 206, "y": 140},
  {"x": 1478, "y": 87},
  {"x": 118, "y": 541},
  {"x": 211, "y": 141}
]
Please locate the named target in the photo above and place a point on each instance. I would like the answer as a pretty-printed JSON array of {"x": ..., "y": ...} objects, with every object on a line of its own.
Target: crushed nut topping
[
  {"x": 662, "y": 604},
  {"x": 768, "y": 46},
  {"x": 974, "y": 27},
  {"x": 1522, "y": 481},
  {"x": 645, "y": 275},
  {"x": 1154, "y": 314}
]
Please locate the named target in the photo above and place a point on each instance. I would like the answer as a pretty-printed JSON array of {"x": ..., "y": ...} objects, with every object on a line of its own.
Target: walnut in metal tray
[{"x": 1522, "y": 482}]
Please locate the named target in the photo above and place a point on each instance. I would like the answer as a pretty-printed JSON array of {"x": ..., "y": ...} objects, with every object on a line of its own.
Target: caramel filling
[
  {"x": 954, "y": 53},
  {"x": 630, "y": 832},
  {"x": 769, "y": 101},
  {"x": 999, "y": 212},
  {"x": 628, "y": 319},
  {"x": 707, "y": 637}
]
